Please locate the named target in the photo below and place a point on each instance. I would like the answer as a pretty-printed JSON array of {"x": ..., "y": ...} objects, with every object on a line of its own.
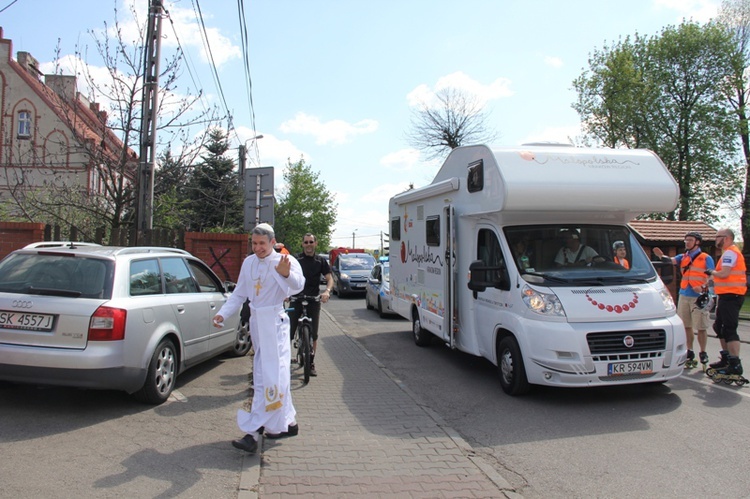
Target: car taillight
[{"x": 107, "y": 324}]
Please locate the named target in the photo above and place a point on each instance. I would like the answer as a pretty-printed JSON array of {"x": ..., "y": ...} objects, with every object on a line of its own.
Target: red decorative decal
[{"x": 618, "y": 309}]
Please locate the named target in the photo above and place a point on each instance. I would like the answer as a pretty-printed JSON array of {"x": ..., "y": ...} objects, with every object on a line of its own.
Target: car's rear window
[{"x": 51, "y": 273}]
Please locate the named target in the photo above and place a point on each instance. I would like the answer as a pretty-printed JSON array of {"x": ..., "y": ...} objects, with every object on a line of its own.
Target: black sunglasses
[{"x": 308, "y": 242}]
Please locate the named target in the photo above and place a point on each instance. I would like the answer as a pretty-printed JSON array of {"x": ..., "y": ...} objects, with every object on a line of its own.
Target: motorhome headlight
[
  {"x": 666, "y": 298},
  {"x": 542, "y": 303}
]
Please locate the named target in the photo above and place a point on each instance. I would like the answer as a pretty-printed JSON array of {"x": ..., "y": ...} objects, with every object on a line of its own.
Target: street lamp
[
  {"x": 353, "y": 233},
  {"x": 243, "y": 156}
]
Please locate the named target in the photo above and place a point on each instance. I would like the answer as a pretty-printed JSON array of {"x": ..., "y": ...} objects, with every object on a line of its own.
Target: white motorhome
[{"x": 509, "y": 255}]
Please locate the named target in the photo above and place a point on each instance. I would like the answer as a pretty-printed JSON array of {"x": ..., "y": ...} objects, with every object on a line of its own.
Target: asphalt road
[
  {"x": 70, "y": 443},
  {"x": 688, "y": 437}
]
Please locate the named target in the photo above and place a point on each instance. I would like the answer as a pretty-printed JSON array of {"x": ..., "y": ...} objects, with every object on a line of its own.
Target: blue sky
[{"x": 334, "y": 81}]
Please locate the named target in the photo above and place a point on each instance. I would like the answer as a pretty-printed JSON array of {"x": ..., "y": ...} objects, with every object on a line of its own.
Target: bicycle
[{"x": 303, "y": 336}]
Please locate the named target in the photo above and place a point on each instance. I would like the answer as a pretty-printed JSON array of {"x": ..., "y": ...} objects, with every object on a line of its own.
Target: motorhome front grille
[{"x": 627, "y": 342}]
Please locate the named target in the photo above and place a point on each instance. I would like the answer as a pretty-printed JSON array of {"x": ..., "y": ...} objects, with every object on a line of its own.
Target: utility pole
[{"x": 147, "y": 159}]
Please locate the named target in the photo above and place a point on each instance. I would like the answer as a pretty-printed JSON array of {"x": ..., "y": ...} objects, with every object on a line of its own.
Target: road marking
[{"x": 705, "y": 380}]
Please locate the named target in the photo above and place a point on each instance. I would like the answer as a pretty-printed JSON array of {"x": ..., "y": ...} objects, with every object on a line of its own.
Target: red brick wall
[
  {"x": 224, "y": 253},
  {"x": 15, "y": 235}
]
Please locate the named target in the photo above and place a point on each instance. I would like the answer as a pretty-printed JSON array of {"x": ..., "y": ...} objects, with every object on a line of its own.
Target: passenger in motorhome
[
  {"x": 693, "y": 263},
  {"x": 522, "y": 254},
  {"x": 621, "y": 253},
  {"x": 574, "y": 252}
]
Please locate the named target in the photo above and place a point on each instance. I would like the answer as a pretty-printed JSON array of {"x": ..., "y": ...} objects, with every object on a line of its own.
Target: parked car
[
  {"x": 102, "y": 317},
  {"x": 350, "y": 273},
  {"x": 378, "y": 293},
  {"x": 325, "y": 257}
]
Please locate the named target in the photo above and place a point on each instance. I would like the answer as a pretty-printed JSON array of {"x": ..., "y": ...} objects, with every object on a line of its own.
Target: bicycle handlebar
[{"x": 305, "y": 297}]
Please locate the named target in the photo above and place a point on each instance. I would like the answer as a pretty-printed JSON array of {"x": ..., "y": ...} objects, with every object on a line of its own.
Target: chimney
[
  {"x": 64, "y": 85},
  {"x": 30, "y": 64}
]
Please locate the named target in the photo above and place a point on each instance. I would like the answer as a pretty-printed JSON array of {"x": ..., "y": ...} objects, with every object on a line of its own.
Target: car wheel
[
  {"x": 161, "y": 375},
  {"x": 242, "y": 343},
  {"x": 510, "y": 367},
  {"x": 380, "y": 308},
  {"x": 422, "y": 337}
]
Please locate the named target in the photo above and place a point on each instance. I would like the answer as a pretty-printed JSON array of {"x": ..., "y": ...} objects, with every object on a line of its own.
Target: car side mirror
[{"x": 230, "y": 286}]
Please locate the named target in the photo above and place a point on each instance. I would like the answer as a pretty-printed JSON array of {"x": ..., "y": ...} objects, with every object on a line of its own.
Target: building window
[{"x": 24, "y": 124}]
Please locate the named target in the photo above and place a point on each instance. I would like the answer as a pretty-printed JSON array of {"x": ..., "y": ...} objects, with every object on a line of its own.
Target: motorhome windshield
[{"x": 563, "y": 254}]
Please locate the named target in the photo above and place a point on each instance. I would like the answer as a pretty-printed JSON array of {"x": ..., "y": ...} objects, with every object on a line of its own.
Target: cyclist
[{"x": 313, "y": 267}]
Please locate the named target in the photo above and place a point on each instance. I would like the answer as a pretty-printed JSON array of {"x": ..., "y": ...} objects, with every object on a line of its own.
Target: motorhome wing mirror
[
  {"x": 479, "y": 273},
  {"x": 665, "y": 268}
]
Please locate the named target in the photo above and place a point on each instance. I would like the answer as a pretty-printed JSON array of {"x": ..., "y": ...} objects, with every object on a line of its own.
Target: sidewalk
[{"x": 363, "y": 433}]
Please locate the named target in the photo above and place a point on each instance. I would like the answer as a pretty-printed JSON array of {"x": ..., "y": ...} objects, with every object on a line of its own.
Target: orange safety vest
[
  {"x": 736, "y": 282},
  {"x": 693, "y": 270},
  {"x": 623, "y": 262}
]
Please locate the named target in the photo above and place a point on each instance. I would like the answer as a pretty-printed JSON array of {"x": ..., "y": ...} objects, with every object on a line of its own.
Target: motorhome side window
[
  {"x": 395, "y": 234},
  {"x": 432, "y": 226},
  {"x": 475, "y": 177}
]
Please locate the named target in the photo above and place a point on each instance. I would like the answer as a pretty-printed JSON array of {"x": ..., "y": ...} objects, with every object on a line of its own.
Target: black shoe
[
  {"x": 704, "y": 358},
  {"x": 313, "y": 372},
  {"x": 292, "y": 431},
  {"x": 246, "y": 443}
]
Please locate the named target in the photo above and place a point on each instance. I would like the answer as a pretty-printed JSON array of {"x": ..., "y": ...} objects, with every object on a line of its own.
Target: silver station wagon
[{"x": 90, "y": 316}]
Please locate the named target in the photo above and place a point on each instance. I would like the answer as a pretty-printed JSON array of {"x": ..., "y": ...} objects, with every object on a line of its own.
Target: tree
[
  {"x": 663, "y": 93},
  {"x": 114, "y": 164},
  {"x": 214, "y": 189},
  {"x": 171, "y": 200},
  {"x": 455, "y": 119},
  {"x": 304, "y": 205},
  {"x": 611, "y": 94},
  {"x": 734, "y": 15}
]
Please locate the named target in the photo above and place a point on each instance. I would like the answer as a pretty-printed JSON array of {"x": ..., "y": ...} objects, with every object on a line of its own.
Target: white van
[{"x": 509, "y": 255}]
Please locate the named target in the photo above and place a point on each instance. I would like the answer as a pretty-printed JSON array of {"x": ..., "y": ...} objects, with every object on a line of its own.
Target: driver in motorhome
[{"x": 573, "y": 251}]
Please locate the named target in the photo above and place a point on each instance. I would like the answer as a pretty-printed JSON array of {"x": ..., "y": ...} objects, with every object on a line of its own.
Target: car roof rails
[
  {"x": 150, "y": 249},
  {"x": 58, "y": 244}
]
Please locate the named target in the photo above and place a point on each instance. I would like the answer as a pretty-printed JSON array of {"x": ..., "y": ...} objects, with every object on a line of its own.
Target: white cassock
[{"x": 266, "y": 289}]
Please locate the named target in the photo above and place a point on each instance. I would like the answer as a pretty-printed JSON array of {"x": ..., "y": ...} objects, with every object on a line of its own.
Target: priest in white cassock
[{"x": 266, "y": 279}]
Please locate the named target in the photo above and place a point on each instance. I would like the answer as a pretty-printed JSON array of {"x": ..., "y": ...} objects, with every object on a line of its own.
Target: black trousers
[{"x": 728, "y": 316}]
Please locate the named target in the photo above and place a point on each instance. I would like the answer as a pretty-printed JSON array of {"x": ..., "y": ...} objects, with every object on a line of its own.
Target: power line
[
  {"x": 188, "y": 61},
  {"x": 248, "y": 79},
  {"x": 212, "y": 63},
  {"x": 6, "y": 7}
]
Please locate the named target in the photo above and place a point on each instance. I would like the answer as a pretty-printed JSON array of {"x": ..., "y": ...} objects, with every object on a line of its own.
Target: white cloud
[
  {"x": 461, "y": 81},
  {"x": 561, "y": 134},
  {"x": 179, "y": 28},
  {"x": 405, "y": 159},
  {"x": 334, "y": 131},
  {"x": 381, "y": 194},
  {"x": 696, "y": 10},
  {"x": 552, "y": 61}
]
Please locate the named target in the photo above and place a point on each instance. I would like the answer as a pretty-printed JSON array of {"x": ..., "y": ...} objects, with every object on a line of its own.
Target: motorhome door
[{"x": 450, "y": 324}]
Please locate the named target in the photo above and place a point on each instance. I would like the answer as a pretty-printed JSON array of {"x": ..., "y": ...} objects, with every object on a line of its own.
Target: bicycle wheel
[{"x": 306, "y": 348}]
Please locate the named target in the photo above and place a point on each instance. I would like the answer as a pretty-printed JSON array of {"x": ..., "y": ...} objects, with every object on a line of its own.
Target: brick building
[{"x": 51, "y": 135}]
